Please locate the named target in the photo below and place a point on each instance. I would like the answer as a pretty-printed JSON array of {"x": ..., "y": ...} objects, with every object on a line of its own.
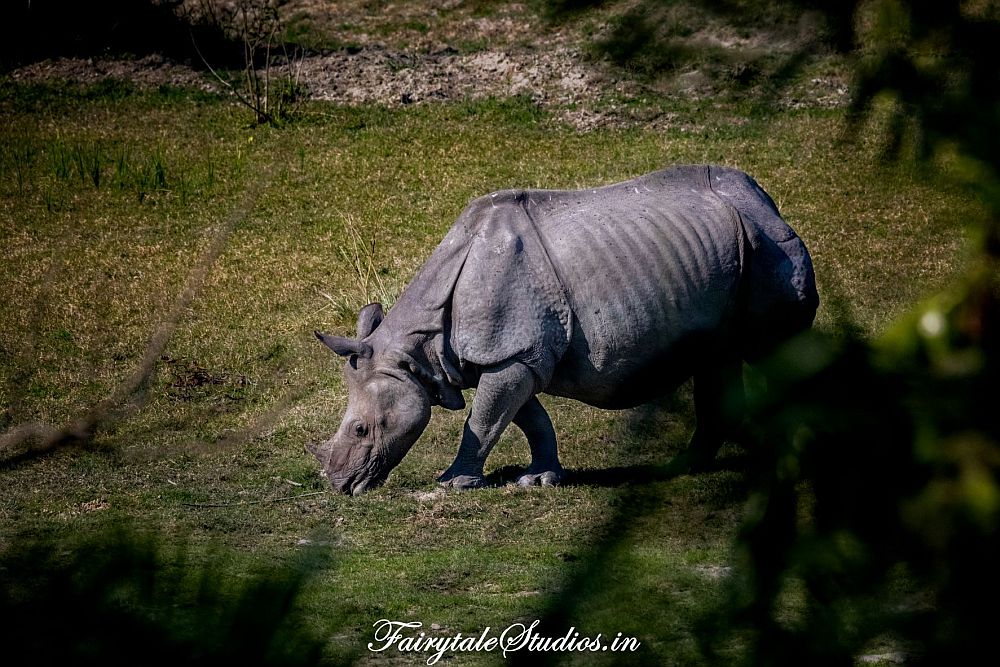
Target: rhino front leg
[
  {"x": 545, "y": 469},
  {"x": 501, "y": 393}
]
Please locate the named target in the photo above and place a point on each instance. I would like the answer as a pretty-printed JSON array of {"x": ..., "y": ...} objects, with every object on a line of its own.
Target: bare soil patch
[
  {"x": 401, "y": 53},
  {"x": 147, "y": 72},
  {"x": 559, "y": 79}
]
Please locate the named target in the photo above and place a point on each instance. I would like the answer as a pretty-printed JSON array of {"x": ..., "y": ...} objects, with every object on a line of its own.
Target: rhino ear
[
  {"x": 368, "y": 319},
  {"x": 345, "y": 347}
]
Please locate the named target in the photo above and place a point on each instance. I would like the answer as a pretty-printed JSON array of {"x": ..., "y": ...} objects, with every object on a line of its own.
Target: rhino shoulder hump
[
  {"x": 479, "y": 211},
  {"x": 508, "y": 300}
]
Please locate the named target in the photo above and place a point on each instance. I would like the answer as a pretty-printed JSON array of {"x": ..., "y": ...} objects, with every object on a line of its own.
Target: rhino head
[{"x": 387, "y": 410}]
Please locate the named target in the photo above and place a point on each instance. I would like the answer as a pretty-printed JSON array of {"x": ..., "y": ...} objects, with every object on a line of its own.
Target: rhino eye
[{"x": 360, "y": 430}]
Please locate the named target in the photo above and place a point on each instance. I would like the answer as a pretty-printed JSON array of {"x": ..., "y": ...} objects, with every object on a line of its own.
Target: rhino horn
[
  {"x": 321, "y": 450},
  {"x": 345, "y": 347}
]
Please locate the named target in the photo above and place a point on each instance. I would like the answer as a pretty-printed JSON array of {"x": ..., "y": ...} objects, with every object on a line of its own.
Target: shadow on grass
[
  {"x": 655, "y": 40},
  {"x": 622, "y": 475},
  {"x": 41, "y": 29},
  {"x": 122, "y": 598}
]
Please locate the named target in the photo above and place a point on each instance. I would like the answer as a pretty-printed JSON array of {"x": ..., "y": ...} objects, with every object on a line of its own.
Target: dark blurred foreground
[
  {"x": 127, "y": 598},
  {"x": 876, "y": 501},
  {"x": 875, "y": 505}
]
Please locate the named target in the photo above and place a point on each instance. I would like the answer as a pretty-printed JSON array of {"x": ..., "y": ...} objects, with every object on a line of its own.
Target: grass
[{"x": 107, "y": 200}]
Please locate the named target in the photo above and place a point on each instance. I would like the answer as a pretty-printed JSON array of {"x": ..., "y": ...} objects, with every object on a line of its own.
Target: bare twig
[
  {"x": 37, "y": 438},
  {"x": 236, "y": 93},
  {"x": 267, "y": 71},
  {"x": 329, "y": 298},
  {"x": 257, "y": 24},
  {"x": 294, "y": 65}
]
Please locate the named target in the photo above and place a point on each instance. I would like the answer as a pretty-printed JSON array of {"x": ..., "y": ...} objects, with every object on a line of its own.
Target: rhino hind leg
[
  {"x": 545, "y": 469},
  {"x": 719, "y": 408},
  {"x": 501, "y": 393}
]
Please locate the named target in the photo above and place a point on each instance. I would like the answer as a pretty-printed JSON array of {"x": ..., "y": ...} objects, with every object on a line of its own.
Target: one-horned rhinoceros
[{"x": 611, "y": 296}]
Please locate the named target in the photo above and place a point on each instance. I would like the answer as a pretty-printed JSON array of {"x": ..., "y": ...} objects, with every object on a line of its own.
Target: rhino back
[{"x": 651, "y": 269}]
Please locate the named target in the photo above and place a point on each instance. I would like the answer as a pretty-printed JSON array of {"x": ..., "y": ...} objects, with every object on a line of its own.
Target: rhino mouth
[
  {"x": 358, "y": 482},
  {"x": 373, "y": 470},
  {"x": 363, "y": 485}
]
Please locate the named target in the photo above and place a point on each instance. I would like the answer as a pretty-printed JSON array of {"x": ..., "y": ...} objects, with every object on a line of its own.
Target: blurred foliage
[
  {"x": 934, "y": 68},
  {"x": 130, "y": 599},
  {"x": 877, "y": 492},
  {"x": 873, "y": 520},
  {"x": 872, "y": 524}
]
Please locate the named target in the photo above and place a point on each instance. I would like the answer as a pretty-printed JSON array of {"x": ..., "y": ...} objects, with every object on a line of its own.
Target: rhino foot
[
  {"x": 461, "y": 482},
  {"x": 541, "y": 478}
]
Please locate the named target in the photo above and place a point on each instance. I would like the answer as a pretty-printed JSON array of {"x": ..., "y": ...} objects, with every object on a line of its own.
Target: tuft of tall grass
[
  {"x": 159, "y": 169},
  {"x": 59, "y": 156},
  {"x": 78, "y": 158},
  {"x": 83, "y": 159},
  {"x": 19, "y": 157},
  {"x": 122, "y": 166},
  {"x": 151, "y": 175},
  {"x": 93, "y": 164},
  {"x": 362, "y": 256},
  {"x": 49, "y": 200}
]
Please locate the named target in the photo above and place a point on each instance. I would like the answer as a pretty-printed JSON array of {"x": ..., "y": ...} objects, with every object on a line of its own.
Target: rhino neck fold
[
  {"x": 423, "y": 350},
  {"x": 418, "y": 326}
]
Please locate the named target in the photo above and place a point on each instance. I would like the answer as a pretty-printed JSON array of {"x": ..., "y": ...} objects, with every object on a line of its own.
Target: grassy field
[{"x": 110, "y": 197}]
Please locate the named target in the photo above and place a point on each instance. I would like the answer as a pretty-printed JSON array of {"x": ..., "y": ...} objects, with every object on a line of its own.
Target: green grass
[{"x": 90, "y": 265}]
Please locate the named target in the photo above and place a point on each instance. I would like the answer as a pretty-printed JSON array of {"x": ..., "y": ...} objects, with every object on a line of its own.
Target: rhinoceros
[{"x": 611, "y": 296}]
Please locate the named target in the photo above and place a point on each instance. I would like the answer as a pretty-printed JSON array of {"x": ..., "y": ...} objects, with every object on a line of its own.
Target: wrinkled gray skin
[{"x": 612, "y": 296}]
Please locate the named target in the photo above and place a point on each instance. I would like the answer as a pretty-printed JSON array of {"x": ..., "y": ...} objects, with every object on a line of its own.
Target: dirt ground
[{"x": 396, "y": 54}]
